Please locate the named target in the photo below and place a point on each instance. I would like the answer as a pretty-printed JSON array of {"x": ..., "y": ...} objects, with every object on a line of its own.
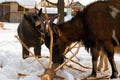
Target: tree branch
[{"x": 51, "y": 3}]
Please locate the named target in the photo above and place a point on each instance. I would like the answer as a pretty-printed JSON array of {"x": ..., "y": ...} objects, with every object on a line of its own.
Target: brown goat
[
  {"x": 104, "y": 60},
  {"x": 98, "y": 26}
]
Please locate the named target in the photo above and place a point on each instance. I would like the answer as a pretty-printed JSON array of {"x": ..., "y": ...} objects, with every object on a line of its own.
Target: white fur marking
[
  {"x": 114, "y": 11},
  {"x": 114, "y": 37},
  {"x": 37, "y": 23}
]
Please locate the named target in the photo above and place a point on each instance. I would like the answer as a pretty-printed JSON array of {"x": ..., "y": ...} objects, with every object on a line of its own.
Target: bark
[{"x": 60, "y": 6}]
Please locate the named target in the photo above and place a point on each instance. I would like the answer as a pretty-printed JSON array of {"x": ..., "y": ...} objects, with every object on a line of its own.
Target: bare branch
[
  {"x": 83, "y": 66},
  {"x": 69, "y": 48},
  {"x": 68, "y": 59},
  {"x": 51, "y": 36},
  {"x": 71, "y": 2},
  {"x": 51, "y": 3},
  {"x": 53, "y": 18},
  {"x": 70, "y": 66},
  {"x": 24, "y": 74},
  {"x": 30, "y": 51}
]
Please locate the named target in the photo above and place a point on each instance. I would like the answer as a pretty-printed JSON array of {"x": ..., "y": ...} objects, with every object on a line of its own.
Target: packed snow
[{"x": 12, "y": 63}]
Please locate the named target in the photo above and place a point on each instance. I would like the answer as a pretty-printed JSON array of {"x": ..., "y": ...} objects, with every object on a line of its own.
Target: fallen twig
[
  {"x": 30, "y": 51},
  {"x": 69, "y": 48},
  {"x": 67, "y": 60},
  {"x": 75, "y": 56},
  {"x": 70, "y": 66},
  {"x": 80, "y": 64},
  {"x": 41, "y": 56},
  {"x": 43, "y": 76},
  {"x": 23, "y": 74},
  {"x": 105, "y": 77}
]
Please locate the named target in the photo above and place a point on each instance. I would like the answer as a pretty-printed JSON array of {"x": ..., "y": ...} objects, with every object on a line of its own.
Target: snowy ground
[{"x": 11, "y": 62}]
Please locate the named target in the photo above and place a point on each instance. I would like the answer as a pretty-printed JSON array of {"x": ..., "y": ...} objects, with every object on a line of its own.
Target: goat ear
[
  {"x": 24, "y": 16},
  {"x": 55, "y": 28},
  {"x": 57, "y": 31},
  {"x": 27, "y": 17},
  {"x": 40, "y": 12}
]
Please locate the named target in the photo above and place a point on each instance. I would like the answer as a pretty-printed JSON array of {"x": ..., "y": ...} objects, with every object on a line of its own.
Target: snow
[{"x": 11, "y": 62}]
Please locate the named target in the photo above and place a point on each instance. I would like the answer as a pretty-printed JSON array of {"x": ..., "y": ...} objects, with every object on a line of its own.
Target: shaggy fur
[
  {"x": 30, "y": 32},
  {"x": 94, "y": 26}
]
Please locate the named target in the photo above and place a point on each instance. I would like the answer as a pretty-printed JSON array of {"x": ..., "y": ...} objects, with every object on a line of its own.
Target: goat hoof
[
  {"x": 39, "y": 56},
  {"x": 114, "y": 76},
  {"x": 92, "y": 75},
  {"x": 25, "y": 56}
]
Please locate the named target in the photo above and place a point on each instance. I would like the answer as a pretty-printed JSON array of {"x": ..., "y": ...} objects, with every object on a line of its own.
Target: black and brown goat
[
  {"x": 31, "y": 32},
  {"x": 98, "y": 26}
]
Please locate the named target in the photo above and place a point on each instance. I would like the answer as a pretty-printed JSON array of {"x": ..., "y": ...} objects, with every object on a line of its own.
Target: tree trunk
[{"x": 60, "y": 6}]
